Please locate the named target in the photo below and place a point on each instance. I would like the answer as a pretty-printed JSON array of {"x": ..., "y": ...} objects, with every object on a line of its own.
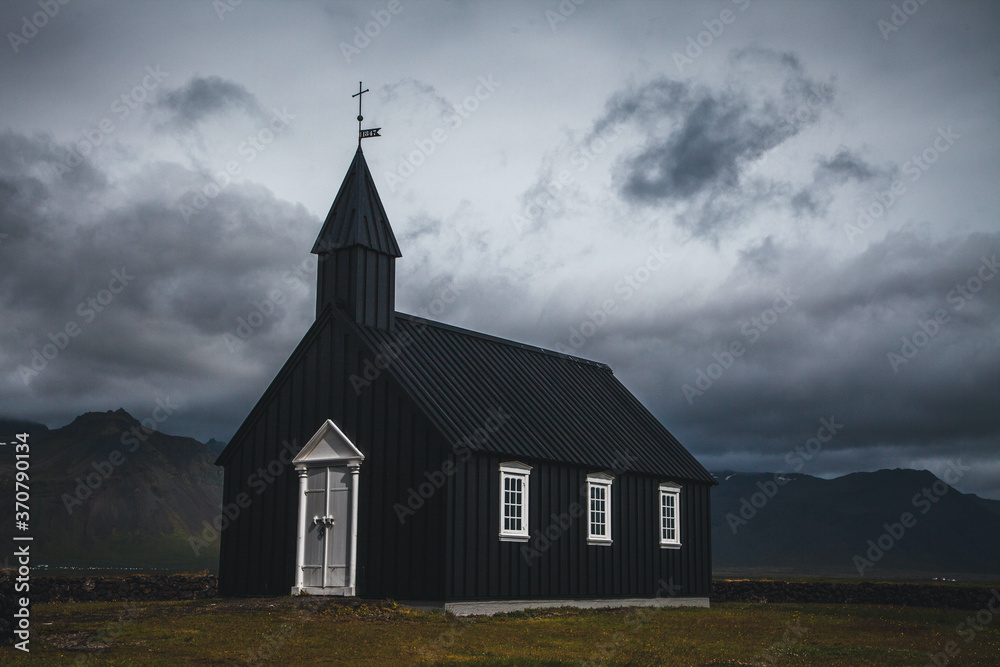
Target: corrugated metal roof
[
  {"x": 552, "y": 406},
  {"x": 357, "y": 217}
]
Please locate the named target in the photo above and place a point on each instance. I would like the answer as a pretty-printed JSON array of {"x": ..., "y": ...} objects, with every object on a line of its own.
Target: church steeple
[{"x": 357, "y": 252}]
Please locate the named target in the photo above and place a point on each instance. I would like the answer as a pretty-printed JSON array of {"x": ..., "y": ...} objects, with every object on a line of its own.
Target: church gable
[{"x": 329, "y": 446}]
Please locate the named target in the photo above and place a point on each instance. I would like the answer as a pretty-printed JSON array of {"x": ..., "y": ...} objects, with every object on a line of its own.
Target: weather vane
[{"x": 364, "y": 134}]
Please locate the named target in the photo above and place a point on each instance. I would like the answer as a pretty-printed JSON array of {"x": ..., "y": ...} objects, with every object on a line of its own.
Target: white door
[
  {"x": 327, "y": 537},
  {"x": 327, "y": 534}
]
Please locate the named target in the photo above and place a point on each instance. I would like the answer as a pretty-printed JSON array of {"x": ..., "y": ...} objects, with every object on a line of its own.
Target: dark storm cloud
[
  {"x": 842, "y": 167},
  {"x": 701, "y": 143},
  {"x": 412, "y": 91},
  {"x": 710, "y": 135},
  {"x": 845, "y": 165},
  {"x": 762, "y": 257},
  {"x": 932, "y": 303},
  {"x": 151, "y": 298},
  {"x": 901, "y": 344},
  {"x": 202, "y": 97}
]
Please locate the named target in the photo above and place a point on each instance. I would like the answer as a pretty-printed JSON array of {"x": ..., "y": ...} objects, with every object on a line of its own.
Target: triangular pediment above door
[{"x": 329, "y": 445}]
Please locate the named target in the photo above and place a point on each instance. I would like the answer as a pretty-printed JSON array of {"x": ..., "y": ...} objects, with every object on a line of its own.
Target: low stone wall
[
  {"x": 137, "y": 587},
  {"x": 199, "y": 586},
  {"x": 901, "y": 594}
]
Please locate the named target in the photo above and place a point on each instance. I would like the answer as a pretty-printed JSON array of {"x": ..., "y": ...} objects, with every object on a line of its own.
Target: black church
[{"x": 431, "y": 464}]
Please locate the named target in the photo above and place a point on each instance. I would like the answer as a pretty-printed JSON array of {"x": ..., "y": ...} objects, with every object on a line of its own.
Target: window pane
[
  {"x": 668, "y": 516},
  {"x": 598, "y": 511},
  {"x": 514, "y": 487}
]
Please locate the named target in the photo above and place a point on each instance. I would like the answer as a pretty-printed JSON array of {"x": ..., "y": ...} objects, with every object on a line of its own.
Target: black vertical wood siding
[
  {"x": 361, "y": 282},
  {"x": 480, "y": 566},
  {"x": 447, "y": 549},
  {"x": 402, "y": 560}
]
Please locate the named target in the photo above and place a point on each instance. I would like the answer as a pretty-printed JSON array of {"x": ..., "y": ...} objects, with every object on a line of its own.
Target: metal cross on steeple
[{"x": 364, "y": 134}]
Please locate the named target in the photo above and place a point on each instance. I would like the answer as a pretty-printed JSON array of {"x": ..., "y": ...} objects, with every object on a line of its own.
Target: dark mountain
[
  {"x": 992, "y": 505},
  {"x": 816, "y": 527},
  {"x": 9, "y": 427},
  {"x": 215, "y": 447},
  {"x": 107, "y": 492}
]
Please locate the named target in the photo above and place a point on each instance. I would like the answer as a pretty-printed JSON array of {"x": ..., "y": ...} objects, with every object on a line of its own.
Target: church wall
[
  {"x": 558, "y": 562},
  {"x": 395, "y": 558}
]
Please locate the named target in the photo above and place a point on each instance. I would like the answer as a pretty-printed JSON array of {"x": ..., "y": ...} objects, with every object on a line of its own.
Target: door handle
[{"x": 327, "y": 521}]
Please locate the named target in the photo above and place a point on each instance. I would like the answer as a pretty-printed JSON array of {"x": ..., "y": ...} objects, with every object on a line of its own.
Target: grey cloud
[
  {"x": 711, "y": 135},
  {"x": 203, "y": 97},
  {"x": 831, "y": 172},
  {"x": 845, "y": 165},
  {"x": 704, "y": 151},
  {"x": 410, "y": 91},
  {"x": 702, "y": 145},
  {"x": 186, "y": 286},
  {"x": 827, "y": 355},
  {"x": 763, "y": 257}
]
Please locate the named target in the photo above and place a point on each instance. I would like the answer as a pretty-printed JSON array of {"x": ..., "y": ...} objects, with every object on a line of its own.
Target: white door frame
[{"x": 328, "y": 448}]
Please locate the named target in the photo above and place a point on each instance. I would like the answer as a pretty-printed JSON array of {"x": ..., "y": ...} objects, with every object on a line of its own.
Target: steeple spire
[{"x": 357, "y": 249}]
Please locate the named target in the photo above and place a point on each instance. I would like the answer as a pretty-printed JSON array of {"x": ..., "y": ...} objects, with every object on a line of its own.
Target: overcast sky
[{"x": 760, "y": 214}]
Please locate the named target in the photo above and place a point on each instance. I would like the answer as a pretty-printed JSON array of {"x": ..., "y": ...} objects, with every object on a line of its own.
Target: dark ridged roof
[
  {"x": 357, "y": 217},
  {"x": 556, "y": 407}
]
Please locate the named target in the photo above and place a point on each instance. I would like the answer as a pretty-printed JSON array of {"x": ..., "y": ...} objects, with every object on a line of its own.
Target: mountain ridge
[
  {"x": 108, "y": 491},
  {"x": 864, "y": 524}
]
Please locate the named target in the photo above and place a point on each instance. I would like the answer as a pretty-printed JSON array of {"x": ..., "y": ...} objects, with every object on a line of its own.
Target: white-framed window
[
  {"x": 670, "y": 515},
  {"x": 599, "y": 508},
  {"x": 514, "y": 478}
]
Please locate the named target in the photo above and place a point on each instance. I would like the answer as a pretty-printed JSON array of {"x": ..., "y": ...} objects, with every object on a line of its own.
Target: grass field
[{"x": 313, "y": 631}]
